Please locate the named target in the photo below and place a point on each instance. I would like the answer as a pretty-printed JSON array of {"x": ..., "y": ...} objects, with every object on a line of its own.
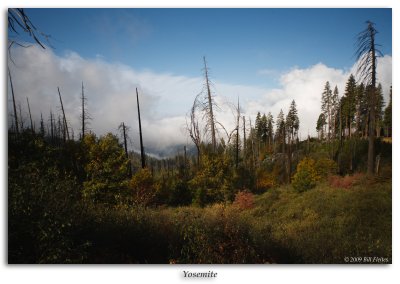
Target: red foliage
[
  {"x": 244, "y": 200},
  {"x": 344, "y": 182}
]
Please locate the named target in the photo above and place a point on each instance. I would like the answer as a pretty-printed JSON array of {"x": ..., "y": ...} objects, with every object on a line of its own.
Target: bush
[
  {"x": 306, "y": 175},
  {"x": 244, "y": 200},
  {"x": 346, "y": 181},
  {"x": 325, "y": 167},
  {"x": 142, "y": 188}
]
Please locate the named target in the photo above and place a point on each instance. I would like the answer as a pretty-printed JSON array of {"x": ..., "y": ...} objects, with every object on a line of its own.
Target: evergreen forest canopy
[{"x": 252, "y": 194}]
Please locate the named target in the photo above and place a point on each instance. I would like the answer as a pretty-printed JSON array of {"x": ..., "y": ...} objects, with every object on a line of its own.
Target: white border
[{"x": 100, "y": 274}]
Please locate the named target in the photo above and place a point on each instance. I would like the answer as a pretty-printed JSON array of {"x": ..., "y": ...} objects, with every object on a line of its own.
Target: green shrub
[
  {"x": 306, "y": 175},
  {"x": 325, "y": 167}
]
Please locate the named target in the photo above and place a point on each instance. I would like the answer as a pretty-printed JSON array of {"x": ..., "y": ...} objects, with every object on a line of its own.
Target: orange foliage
[
  {"x": 265, "y": 180},
  {"x": 344, "y": 182},
  {"x": 244, "y": 200}
]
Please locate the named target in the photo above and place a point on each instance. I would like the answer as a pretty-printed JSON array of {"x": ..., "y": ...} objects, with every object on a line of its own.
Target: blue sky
[
  {"x": 238, "y": 43},
  {"x": 266, "y": 57}
]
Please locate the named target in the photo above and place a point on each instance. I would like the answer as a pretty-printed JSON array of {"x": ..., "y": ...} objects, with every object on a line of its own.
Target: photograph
[{"x": 180, "y": 136}]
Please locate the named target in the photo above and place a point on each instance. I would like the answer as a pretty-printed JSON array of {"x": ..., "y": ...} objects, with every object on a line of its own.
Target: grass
[{"x": 323, "y": 225}]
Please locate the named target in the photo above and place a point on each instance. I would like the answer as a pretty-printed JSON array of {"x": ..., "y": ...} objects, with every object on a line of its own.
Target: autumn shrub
[
  {"x": 345, "y": 182},
  {"x": 265, "y": 180},
  {"x": 142, "y": 188},
  {"x": 210, "y": 179},
  {"x": 306, "y": 175},
  {"x": 244, "y": 200},
  {"x": 325, "y": 167},
  {"x": 217, "y": 234}
]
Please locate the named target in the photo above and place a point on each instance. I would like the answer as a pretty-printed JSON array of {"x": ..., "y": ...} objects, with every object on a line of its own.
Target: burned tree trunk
[
  {"x": 210, "y": 112},
  {"x": 244, "y": 134},
  {"x": 64, "y": 118},
  {"x": 124, "y": 130},
  {"x": 140, "y": 133},
  {"x": 14, "y": 105},
  {"x": 237, "y": 135},
  {"x": 30, "y": 116}
]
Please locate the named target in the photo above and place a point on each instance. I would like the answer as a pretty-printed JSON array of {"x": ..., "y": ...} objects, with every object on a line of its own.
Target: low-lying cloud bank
[{"x": 165, "y": 98}]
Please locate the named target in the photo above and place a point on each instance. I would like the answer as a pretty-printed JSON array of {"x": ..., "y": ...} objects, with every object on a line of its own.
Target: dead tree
[
  {"x": 30, "y": 116},
  {"x": 244, "y": 135},
  {"x": 237, "y": 135},
  {"x": 51, "y": 126},
  {"x": 14, "y": 105},
  {"x": 65, "y": 130},
  {"x": 21, "y": 119},
  {"x": 209, "y": 107},
  {"x": 85, "y": 117},
  {"x": 367, "y": 55},
  {"x": 42, "y": 133},
  {"x": 124, "y": 129},
  {"x": 252, "y": 144},
  {"x": 140, "y": 133},
  {"x": 193, "y": 128}
]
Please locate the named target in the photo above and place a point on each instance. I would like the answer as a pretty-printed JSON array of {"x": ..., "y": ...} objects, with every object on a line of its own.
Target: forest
[{"x": 257, "y": 193}]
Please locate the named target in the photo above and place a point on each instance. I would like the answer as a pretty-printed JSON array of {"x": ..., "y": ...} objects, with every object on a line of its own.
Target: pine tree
[
  {"x": 335, "y": 110},
  {"x": 380, "y": 103},
  {"x": 264, "y": 128},
  {"x": 292, "y": 122},
  {"x": 349, "y": 107},
  {"x": 361, "y": 109},
  {"x": 321, "y": 125},
  {"x": 258, "y": 126},
  {"x": 270, "y": 128},
  {"x": 280, "y": 130},
  {"x": 326, "y": 106},
  {"x": 292, "y": 126},
  {"x": 387, "y": 120}
]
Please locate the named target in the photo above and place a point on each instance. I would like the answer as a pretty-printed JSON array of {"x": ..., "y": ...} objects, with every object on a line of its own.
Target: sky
[{"x": 265, "y": 57}]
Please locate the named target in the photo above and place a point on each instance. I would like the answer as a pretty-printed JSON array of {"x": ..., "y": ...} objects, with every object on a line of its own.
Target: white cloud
[{"x": 165, "y": 98}]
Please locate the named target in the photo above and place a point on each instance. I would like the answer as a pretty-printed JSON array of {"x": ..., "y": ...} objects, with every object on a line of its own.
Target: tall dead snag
[
  {"x": 14, "y": 105},
  {"x": 209, "y": 107},
  {"x": 244, "y": 134},
  {"x": 51, "y": 126},
  {"x": 65, "y": 128},
  {"x": 85, "y": 115},
  {"x": 253, "y": 151},
  {"x": 42, "y": 132},
  {"x": 366, "y": 55},
  {"x": 193, "y": 128},
  {"x": 140, "y": 133},
  {"x": 30, "y": 116},
  {"x": 124, "y": 129},
  {"x": 237, "y": 135},
  {"x": 184, "y": 160}
]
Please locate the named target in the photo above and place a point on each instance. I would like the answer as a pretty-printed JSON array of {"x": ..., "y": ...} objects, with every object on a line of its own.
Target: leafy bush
[
  {"x": 244, "y": 200},
  {"x": 142, "y": 188},
  {"x": 265, "y": 180},
  {"x": 306, "y": 175},
  {"x": 346, "y": 181},
  {"x": 106, "y": 169},
  {"x": 325, "y": 167}
]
